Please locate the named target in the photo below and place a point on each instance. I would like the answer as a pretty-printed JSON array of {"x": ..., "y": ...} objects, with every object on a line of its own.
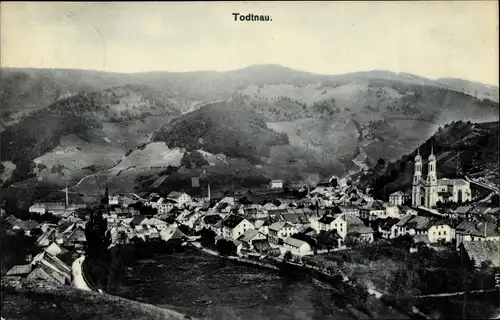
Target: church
[{"x": 428, "y": 190}]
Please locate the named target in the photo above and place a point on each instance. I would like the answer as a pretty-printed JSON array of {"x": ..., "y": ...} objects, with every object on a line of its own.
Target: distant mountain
[
  {"x": 461, "y": 148},
  {"x": 475, "y": 89},
  {"x": 73, "y": 120}
]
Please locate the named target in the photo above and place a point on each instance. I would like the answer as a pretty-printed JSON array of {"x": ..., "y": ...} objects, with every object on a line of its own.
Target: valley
[{"x": 265, "y": 120}]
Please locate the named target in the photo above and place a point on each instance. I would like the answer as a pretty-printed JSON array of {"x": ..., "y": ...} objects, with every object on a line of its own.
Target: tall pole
[
  {"x": 67, "y": 200},
  {"x": 209, "y": 198}
]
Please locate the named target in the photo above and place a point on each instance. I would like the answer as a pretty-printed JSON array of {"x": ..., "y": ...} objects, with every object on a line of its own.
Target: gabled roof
[
  {"x": 419, "y": 223},
  {"x": 175, "y": 195},
  {"x": 212, "y": 219},
  {"x": 248, "y": 235},
  {"x": 478, "y": 229},
  {"x": 20, "y": 270},
  {"x": 404, "y": 221},
  {"x": 296, "y": 243},
  {"x": 155, "y": 222},
  {"x": 26, "y": 225},
  {"x": 78, "y": 235},
  {"x": 397, "y": 194},
  {"x": 386, "y": 224},
  {"x": 262, "y": 245},
  {"x": 137, "y": 220},
  {"x": 361, "y": 229},
  {"x": 452, "y": 182},
  {"x": 53, "y": 262},
  {"x": 326, "y": 219},
  {"x": 482, "y": 251},
  {"x": 277, "y": 226},
  {"x": 232, "y": 221}
]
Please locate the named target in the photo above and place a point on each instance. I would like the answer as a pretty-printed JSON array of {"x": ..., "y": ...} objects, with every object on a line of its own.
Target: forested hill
[
  {"x": 461, "y": 148},
  {"x": 230, "y": 128}
]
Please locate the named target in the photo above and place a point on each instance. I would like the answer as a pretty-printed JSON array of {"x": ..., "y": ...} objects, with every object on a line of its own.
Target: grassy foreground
[{"x": 68, "y": 303}]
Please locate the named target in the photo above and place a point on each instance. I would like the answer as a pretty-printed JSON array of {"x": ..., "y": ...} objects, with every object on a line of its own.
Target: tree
[
  {"x": 288, "y": 256},
  {"x": 97, "y": 236}
]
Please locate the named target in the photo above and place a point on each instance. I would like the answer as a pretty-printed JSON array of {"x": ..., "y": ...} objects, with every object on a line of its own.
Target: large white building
[{"x": 427, "y": 191}]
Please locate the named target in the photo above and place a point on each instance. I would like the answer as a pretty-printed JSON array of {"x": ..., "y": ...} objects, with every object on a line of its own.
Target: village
[{"x": 332, "y": 216}]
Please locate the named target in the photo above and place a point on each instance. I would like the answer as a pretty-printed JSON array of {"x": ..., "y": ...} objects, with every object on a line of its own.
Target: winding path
[{"x": 77, "y": 272}]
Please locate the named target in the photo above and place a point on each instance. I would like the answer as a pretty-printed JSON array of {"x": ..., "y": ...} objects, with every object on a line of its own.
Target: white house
[
  {"x": 441, "y": 230},
  {"x": 234, "y": 226},
  {"x": 39, "y": 208},
  {"x": 251, "y": 235},
  {"x": 180, "y": 198},
  {"x": 276, "y": 184},
  {"x": 325, "y": 223},
  {"x": 398, "y": 198},
  {"x": 165, "y": 206},
  {"x": 296, "y": 246},
  {"x": 113, "y": 200},
  {"x": 373, "y": 210},
  {"x": 281, "y": 230},
  {"x": 345, "y": 224}
]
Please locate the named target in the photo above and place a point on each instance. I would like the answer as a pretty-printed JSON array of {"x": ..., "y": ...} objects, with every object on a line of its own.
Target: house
[
  {"x": 399, "y": 229},
  {"x": 77, "y": 238},
  {"x": 373, "y": 210},
  {"x": 276, "y": 184},
  {"x": 210, "y": 222},
  {"x": 417, "y": 225},
  {"x": 39, "y": 208},
  {"x": 189, "y": 219},
  {"x": 155, "y": 222},
  {"x": 280, "y": 231},
  {"x": 398, "y": 198},
  {"x": 234, "y": 226},
  {"x": 325, "y": 223},
  {"x": 50, "y": 236},
  {"x": 55, "y": 249},
  {"x": 349, "y": 224},
  {"x": 349, "y": 210},
  {"x": 172, "y": 232},
  {"x": 441, "y": 231},
  {"x": 251, "y": 235},
  {"x": 165, "y": 206},
  {"x": 296, "y": 246},
  {"x": 462, "y": 211},
  {"x": 27, "y": 226},
  {"x": 51, "y": 269},
  {"x": 262, "y": 226},
  {"x": 180, "y": 198},
  {"x": 385, "y": 226},
  {"x": 483, "y": 251},
  {"x": 155, "y": 201},
  {"x": 469, "y": 231},
  {"x": 113, "y": 200},
  {"x": 263, "y": 247},
  {"x": 138, "y": 220}
]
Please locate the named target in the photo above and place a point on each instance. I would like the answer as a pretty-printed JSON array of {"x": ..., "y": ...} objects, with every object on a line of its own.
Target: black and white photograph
[{"x": 249, "y": 160}]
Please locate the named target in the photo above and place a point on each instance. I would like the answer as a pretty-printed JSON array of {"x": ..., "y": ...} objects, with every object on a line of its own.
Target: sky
[{"x": 430, "y": 39}]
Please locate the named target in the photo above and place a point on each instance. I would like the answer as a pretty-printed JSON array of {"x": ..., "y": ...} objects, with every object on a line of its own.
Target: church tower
[
  {"x": 431, "y": 183},
  {"x": 417, "y": 177}
]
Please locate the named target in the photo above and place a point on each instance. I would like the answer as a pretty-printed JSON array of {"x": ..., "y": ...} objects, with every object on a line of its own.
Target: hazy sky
[{"x": 432, "y": 39}]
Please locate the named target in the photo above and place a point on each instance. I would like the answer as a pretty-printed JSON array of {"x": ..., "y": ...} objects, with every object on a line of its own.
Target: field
[{"x": 68, "y": 303}]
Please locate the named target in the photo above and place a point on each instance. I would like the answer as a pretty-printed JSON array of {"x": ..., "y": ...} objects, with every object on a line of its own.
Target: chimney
[{"x": 67, "y": 200}]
